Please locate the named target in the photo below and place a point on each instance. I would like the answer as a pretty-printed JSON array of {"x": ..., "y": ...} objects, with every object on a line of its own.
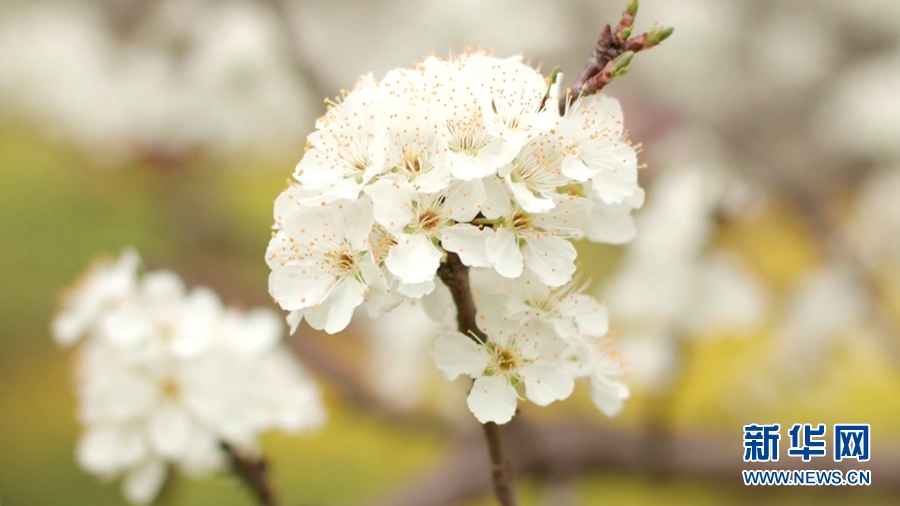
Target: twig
[
  {"x": 455, "y": 275},
  {"x": 301, "y": 66},
  {"x": 354, "y": 389},
  {"x": 568, "y": 449},
  {"x": 254, "y": 473},
  {"x": 612, "y": 55}
]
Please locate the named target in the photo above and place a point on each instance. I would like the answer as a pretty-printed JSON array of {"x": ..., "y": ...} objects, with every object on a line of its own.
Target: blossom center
[
  {"x": 520, "y": 221},
  {"x": 505, "y": 360},
  {"x": 467, "y": 139},
  {"x": 429, "y": 220},
  {"x": 169, "y": 389},
  {"x": 346, "y": 261}
]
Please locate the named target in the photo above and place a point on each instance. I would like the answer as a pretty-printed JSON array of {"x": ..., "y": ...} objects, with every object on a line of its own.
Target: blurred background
[{"x": 763, "y": 287}]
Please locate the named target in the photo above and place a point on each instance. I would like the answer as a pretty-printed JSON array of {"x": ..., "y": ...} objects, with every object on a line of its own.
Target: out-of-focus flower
[
  {"x": 657, "y": 298},
  {"x": 825, "y": 305},
  {"x": 875, "y": 228},
  {"x": 208, "y": 76},
  {"x": 103, "y": 286},
  {"x": 166, "y": 375}
]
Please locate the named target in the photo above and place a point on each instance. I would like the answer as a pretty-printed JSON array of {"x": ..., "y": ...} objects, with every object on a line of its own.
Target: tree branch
[
  {"x": 611, "y": 56},
  {"x": 567, "y": 449},
  {"x": 254, "y": 473},
  {"x": 354, "y": 389},
  {"x": 455, "y": 275}
]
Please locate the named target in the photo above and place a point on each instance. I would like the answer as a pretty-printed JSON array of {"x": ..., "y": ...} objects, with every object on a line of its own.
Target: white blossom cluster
[
  {"x": 540, "y": 337},
  {"x": 468, "y": 156},
  {"x": 166, "y": 375}
]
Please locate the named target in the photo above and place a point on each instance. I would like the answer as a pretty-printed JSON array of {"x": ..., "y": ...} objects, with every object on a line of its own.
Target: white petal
[
  {"x": 299, "y": 285},
  {"x": 293, "y": 320},
  {"x": 591, "y": 317},
  {"x": 254, "y": 332},
  {"x": 573, "y": 167},
  {"x": 197, "y": 321},
  {"x": 492, "y": 399},
  {"x": 346, "y": 297},
  {"x": 546, "y": 382},
  {"x": 98, "y": 450},
  {"x": 128, "y": 325},
  {"x": 467, "y": 241},
  {"x": 502, "y": 250},
  {"x": 103, "y": 288},
  {"x": 142, "y": 484},
  {"x": 496, "y": 202},
  {"x": 438, "y": 304},
  {"x": 528, "y": 200},
  {"x": 551, "y": 258},
  {"x": 413, "y": 259},
  {"x": 355, "y": 218},
  {"x": 609, "y": 396},
  {"x": 465, "y": 167},
  {"x": 392, "y": 203},
  {"x": 416, "y": 290},
  {"x": 203, "y": 455},
  {"x": 455, "y": 354},
  {"x": 464, "y": 199},
  {"x": 170, "y": 430},
  {"x": 610, "y": 223},
  {"x": 163, "y": 287}
]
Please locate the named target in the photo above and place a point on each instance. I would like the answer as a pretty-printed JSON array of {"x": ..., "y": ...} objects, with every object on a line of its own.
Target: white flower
[
  {"x": 512, "y": 97},
  {"x": 162, "y": 307},
  {"x": 535, "y": 175},
  {"x": 602, "y": 365},
  {"x": 349, "y": 149},
  {"x": 515, "y": 352},
  {"x": 422, "y": 222},
  {"x": 612, "y": 223},
  {"x": 321, "y": 264},
  {"x": 538, "y": 241},
  {"x": 418, "y": 153},
  {"x": 165, "y": 375},
  {"x": 593, "y": 138},
  {"x": 104, "y": 285},
  {"x": 455, "y": 98},
  {"x": 565, "y": 309}
]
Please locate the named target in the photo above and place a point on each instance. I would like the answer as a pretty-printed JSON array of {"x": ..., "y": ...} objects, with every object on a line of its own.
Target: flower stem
[
  {"x": 455, "y": 275},
  {"x": 254, "y": 472}
]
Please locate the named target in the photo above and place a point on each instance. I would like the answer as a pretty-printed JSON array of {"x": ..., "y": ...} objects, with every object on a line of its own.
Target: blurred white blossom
[
  {"x": 670, "y": 285},
  {"x": 166, "y": 375}
]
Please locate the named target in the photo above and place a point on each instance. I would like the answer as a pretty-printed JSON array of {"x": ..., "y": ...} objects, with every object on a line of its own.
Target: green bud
[
  {"x": 626, "y": 32},
  {"x": 657, "y": 35},
  {"x": 621, "y": 72},
  {"x": 622, "y": 61},
  {"x": 632, "y": 7}
]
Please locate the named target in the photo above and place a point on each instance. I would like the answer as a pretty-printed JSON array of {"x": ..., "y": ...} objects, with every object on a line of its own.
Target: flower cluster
[
  {"x": 467, "y": 155},
  {"x": 538, "y": 336},
  {"x": 167, "y": 375}
]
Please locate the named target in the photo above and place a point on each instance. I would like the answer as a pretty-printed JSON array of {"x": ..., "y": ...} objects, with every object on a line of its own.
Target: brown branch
[
  {"x": 353, "y": 387},
  {"x": 254, "y": 473},
  {"x": 569, "y": 449},
  {"x": 611, "y": 56},
  {"x": 455, "y": 275},
  {"x": 302, "y": 68}
]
